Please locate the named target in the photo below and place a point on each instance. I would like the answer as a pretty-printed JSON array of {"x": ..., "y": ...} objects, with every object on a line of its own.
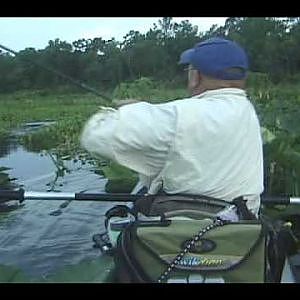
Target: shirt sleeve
[
  {"x": 137, "y": 136},
  {"x": 97, "y": 131}
]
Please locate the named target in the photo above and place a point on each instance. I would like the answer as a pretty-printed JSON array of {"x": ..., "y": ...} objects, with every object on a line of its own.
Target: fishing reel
[
  {"x": 102, "y": 242},
  {"x": 116, "y": 219}
]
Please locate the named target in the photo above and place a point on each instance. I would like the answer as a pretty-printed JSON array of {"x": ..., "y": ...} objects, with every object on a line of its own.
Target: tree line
[{"x": 272, "y": 44}]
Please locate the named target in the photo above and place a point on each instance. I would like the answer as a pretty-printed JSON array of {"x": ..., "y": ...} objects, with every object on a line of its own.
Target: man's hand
[{"x": 119, "y": 103}]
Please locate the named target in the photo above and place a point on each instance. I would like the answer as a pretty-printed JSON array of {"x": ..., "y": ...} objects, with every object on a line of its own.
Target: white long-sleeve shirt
[{"x": 208, "y": 144}]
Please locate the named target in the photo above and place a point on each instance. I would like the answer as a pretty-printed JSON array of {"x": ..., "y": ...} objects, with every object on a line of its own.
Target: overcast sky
[{"x": 20, "y": 33}]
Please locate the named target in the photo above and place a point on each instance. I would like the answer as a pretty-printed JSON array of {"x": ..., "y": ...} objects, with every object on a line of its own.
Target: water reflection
[
  {"x": 31, "y": 239},
  {"x": 7, "y": 145}
]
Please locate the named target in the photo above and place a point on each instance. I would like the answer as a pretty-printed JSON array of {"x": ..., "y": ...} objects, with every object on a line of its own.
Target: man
[{"x": 208, "y": 144}]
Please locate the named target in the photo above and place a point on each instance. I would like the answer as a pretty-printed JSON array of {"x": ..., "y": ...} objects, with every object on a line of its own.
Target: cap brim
[{"x": 186, "y": 56}]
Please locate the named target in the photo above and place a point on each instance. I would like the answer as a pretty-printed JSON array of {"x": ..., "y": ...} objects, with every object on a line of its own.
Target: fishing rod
[
  {"x": 76, "y": 82},
  {"x": 22, "y": 195}
]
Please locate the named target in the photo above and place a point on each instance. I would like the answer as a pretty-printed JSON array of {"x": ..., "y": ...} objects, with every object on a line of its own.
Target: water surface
[{"x": 33, "y": 240}]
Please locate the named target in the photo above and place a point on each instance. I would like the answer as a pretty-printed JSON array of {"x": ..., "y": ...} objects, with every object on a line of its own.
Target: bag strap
[
  {"x": 243, "y": 211},
  {"x": 195, "y": 196},
  {"x": 216, "y": 223},
  {"x": 144, "y": 204}
]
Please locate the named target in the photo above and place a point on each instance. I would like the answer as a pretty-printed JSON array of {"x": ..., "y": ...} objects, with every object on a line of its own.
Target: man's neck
[
  {"x": 211, "y": 84},
  {"x": 219, "y": 91}
]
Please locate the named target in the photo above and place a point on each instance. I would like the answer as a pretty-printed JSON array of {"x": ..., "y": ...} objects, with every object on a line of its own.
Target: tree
[{"x": 272, "y": 45}]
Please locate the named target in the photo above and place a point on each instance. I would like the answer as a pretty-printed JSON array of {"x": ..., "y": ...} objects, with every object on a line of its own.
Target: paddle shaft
[
  {"x": 284, "y": 200},
  {"x": 21, "y": 195}
]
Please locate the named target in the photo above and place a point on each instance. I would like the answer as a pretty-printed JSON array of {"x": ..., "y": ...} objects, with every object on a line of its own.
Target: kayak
[
  {"x": 103, "y": 268},
  {"x": 290, "y": 272}
]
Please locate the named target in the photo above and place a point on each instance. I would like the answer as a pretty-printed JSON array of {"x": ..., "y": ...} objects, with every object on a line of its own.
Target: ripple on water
[{"x": 33, "y": 240}]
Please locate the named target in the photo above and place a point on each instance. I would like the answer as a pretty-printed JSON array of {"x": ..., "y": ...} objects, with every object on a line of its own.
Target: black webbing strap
[{"x": 242, "y": 210}]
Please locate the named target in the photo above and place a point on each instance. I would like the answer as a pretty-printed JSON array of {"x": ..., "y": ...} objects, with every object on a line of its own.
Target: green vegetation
[
  {"x": 70, "y": 111},
  {"x": 272, "y": 45},
  {"x": 148, "y": 90},
  {"x": 29, "y": 106},
  {"x": 278, "y": 107},
  {"x": 143, "y": 66}
]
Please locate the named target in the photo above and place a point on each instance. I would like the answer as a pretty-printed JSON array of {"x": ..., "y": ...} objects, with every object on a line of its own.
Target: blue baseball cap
[{"x": 215, "y": 57}]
